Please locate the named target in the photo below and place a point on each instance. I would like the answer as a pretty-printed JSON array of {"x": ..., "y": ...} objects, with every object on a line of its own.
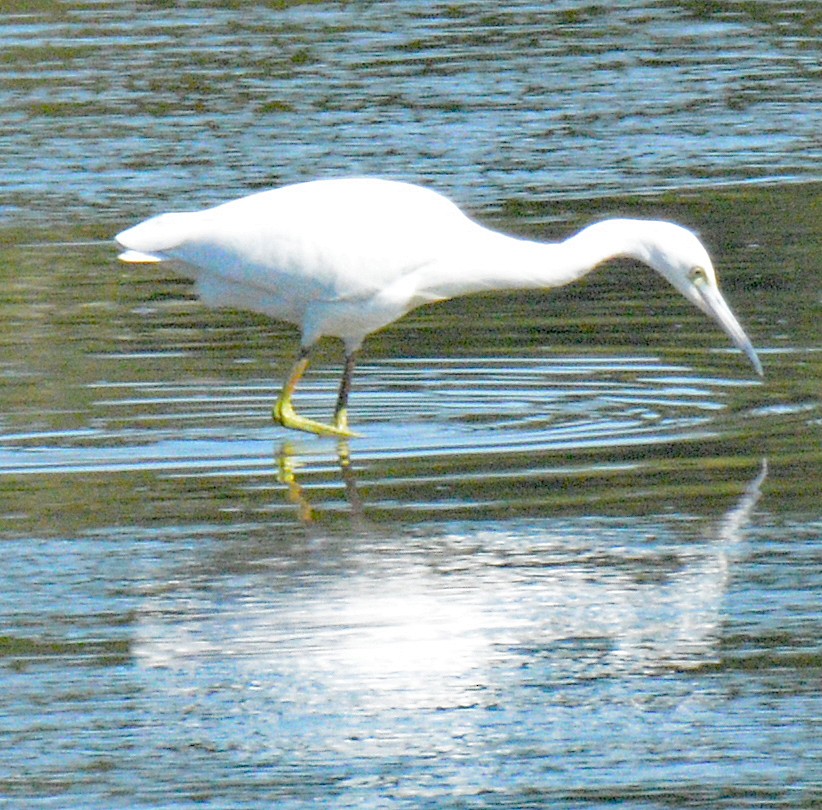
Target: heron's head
[{"x": 678, "y": 255}]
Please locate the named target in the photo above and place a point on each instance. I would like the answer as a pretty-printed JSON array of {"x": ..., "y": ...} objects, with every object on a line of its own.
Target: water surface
[{"x": 574, "y": 559}]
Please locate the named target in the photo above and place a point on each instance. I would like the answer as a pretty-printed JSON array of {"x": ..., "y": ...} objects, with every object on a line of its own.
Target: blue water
[
  {"x": 573, "y": 561},
  {"x": 112, "y": 113}
]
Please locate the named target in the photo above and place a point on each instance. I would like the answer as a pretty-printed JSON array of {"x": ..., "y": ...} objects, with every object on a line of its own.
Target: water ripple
[{"x": 409, "y": 408}]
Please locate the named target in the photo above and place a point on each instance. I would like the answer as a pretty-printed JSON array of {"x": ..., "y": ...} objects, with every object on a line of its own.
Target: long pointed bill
[{"x": 712, "y": 303}]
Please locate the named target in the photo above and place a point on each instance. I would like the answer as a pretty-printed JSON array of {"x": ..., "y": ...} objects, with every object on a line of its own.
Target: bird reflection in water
[
  {"x": 674, "y": 624},
  {"x": 451, "y": 617},
  {"x": 288, "y": 463}
]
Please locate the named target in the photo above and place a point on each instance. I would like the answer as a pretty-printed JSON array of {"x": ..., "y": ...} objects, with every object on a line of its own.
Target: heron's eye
[{"x": 698, "y": 275}]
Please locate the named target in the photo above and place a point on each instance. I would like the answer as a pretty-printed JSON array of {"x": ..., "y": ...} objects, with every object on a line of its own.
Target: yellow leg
[
  {"x": 285, "y": 415},
  {"x": 287, "y": 476}
]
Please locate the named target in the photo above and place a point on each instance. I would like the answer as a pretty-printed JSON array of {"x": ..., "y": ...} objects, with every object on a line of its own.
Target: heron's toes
[{"x": 285, "y": 415}]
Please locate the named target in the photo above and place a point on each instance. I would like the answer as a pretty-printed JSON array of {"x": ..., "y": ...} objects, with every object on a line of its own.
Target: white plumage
[{"x": 345, "y": 257}]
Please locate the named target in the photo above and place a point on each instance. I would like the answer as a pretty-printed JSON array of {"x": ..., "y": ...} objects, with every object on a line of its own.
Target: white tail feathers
[
  {"x": 148, "y": 241},
  {"x": 136, "y": 257}
]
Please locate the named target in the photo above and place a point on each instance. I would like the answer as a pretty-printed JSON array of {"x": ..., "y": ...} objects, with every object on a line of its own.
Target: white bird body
[
  {"x": 335, "y": 257},
  {"x": 346, "y": 257}
]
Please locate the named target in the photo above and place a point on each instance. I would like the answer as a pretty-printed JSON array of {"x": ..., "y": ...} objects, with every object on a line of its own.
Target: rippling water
[
  {"x": 574, "y": 559},
  {"x": 517, "y": 103}
]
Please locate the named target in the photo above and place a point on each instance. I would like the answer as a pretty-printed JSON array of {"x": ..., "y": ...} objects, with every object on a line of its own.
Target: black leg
[{"x": 341, "y": 410}]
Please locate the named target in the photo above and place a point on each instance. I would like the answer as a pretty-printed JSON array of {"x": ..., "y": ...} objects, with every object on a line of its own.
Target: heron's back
[{"x": 280, "y": 252}]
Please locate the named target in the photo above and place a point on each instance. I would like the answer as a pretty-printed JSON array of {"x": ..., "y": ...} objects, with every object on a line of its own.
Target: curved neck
[{"x": 495, "y": 261}]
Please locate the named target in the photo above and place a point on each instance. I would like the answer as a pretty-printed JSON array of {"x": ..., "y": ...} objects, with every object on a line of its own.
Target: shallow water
[
  {"x": 574, "y": 558},
  {"x": 111, "y": 112}
]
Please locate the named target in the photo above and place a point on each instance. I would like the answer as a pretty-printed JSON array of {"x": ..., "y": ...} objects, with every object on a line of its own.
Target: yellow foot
[
  {"x": 341, "y": 422},
  {"x": 287, "y": 475},
  {"x": 285, "y": 415}
]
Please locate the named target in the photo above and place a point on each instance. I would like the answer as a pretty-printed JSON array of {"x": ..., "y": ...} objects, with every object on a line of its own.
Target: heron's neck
[{"x": 499, "y": 262}]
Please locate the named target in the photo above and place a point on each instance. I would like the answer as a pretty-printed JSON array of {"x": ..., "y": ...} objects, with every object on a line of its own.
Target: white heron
[{"x": 345, "y": 257}]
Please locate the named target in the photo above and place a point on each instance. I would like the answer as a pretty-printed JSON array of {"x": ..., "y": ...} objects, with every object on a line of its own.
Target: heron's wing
[{"x": 326, "y": 240}]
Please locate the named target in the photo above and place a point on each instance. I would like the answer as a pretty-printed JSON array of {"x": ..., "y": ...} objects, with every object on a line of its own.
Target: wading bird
[{"x": 345, "y": 257}]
